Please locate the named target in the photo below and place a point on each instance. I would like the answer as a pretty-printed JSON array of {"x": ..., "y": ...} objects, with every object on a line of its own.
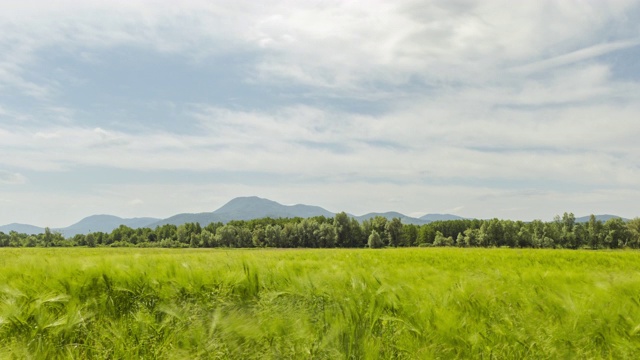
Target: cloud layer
[{"x": 481, "y": 107}]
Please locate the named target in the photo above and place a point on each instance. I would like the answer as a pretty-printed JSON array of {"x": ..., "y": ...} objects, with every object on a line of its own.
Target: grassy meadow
[{"x": 411, "y": 303}]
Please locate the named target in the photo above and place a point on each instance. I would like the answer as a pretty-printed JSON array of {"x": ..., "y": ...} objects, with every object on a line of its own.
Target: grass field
[{"x": 318, "y": 304}]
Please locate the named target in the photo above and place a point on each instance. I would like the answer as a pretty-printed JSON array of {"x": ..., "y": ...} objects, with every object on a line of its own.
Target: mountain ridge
[
  {"x": 21, "y": 228},
  {"x": 239, "y": 208},
  {"x": 103, "y": 223},
  {"x": 602, "y": 217}
]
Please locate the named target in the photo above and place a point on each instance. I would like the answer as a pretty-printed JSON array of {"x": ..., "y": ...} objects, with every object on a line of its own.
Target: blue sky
[{"x": 478, "y": 108}]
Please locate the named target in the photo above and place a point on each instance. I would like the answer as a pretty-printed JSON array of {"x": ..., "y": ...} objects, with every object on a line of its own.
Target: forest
[{"x": 342, "y": 231}]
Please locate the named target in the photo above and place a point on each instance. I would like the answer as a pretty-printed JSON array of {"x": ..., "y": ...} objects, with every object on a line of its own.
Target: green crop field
[{"x": 414, "y": 303}]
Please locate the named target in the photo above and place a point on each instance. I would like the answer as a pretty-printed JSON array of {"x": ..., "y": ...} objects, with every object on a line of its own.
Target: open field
[{"x": 411, "y": 303}]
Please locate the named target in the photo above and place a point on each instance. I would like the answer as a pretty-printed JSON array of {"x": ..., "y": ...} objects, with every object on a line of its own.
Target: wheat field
[{"x": 411, "y": 303}]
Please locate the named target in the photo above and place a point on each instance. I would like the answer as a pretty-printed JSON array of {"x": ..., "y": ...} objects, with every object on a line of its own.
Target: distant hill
[
  {"x": 241, "y": 208},
  {"x": 94, "y": 223},
  {"x": 440, "y": 217},
  {"x": 392, "y": 214},
  {"x": 247, "y": 208},
  {"x": 22, "y": 229},
  {"x": 103, "y": 223},
  {"x": 602, "y": 218}
]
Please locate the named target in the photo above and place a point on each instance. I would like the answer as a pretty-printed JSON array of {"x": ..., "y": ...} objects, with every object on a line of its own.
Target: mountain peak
[
  {"x": 246, "y": 202},
  {"x": 253, "y": 207}
]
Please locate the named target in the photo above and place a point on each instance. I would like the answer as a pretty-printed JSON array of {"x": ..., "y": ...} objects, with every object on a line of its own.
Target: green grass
[{"x": 318, "y": 304}]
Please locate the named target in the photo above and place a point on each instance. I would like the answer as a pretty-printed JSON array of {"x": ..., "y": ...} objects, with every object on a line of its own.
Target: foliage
[
  {"x": 375, "y": 242},
  {"x": 345, "y": 232}
]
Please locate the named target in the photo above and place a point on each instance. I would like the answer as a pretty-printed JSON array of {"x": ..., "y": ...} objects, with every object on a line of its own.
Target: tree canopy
[{"x": 345, "y": 232}]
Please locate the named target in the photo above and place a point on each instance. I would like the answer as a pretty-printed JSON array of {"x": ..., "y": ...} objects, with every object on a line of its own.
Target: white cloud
[
  {"x": 11, "y": 178},
  {"x": 136, "y": 202},
  {"x": 351, "y": 44},
  {"x": 45, "y": 135},
  {"x": 342, "y": 46},
  {"x": 589, "y": 145},
  {"x": 472, "y": 91},
  {"x": 578, "y": 55}
]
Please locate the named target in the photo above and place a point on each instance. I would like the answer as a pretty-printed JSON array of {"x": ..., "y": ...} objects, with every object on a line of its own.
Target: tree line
[{"x": 343, "y": 231}]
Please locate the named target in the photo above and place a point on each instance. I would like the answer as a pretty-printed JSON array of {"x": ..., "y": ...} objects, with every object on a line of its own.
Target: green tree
[
  {"x": 195, "y": 240},
  {"x": 595, "y": 232},
  {"x": 510, "y": 233},
  {"x": 31, "y": 241},
  {"x": 581, "y": 235},
  {"x": 342, "y": 224},
  {"x": 633, "y": 226},
  {"x": 4, "y": 239},
  {"x": 257, "y": 237},
  {"x": 393, "y": 231},
  {"x": 409, "y": 235},
  {"x": 326, "y": 235},
  {"x": 616, "y": 233},
  {"x": 207, "y": 238},
  {"x": 442, "y": 240},
  {"x": 375, "y": 242},
  {"x": 226, "y": 236},
  {"x": 183, "y": 234},
  {"x": 90, "y": 239},
  {"x": 359, "y": 237},
  {"x": 426, "y": 235},
  {"x": 273, "y": 236},
  {"x": 243, "y": 238},
  {"x": 48, "y": 237},
  {"x": 379, "y": 224},
  {"x": 306, "y": 232},
  {"x": 471, "y": 237},
  {"x": 493, "y": 234}
]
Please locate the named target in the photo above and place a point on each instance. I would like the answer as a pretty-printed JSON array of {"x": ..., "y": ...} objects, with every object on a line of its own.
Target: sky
[{"x": 516, "y": 110}]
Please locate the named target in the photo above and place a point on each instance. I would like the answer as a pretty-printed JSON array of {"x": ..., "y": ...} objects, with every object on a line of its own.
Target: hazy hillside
[
  {"x": 21, "y": 228},
  {"x": 602, "y": 218},
  {"x": 241, "y": 208},
  {"x": 103, "y": 223},
  {"x": 247, "y": 208}
]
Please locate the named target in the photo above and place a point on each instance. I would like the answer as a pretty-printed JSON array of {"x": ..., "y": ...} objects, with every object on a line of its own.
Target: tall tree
[
  {"x": 595, "y": 232},
  {"x": 634, "y": 233},
  {"x": 375, "y": 242},
  {"x": 342, "y": 224},
  {"x": 616, "y": 233},
  {"x": 273, "y": 236},
  {"x": 393, "y": 231}
]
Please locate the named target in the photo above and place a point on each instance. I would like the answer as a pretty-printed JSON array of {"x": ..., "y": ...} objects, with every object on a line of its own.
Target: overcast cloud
[{"x": 504, "y": 109}]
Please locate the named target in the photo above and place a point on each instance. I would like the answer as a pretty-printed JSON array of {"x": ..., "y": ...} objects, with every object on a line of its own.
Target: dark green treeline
[{"x": 343, "y": 231}]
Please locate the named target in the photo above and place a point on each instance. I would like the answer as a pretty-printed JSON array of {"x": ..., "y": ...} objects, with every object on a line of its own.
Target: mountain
[
  {"x": 253, "y": 207},
  {"x": 392, "y": 214},
  {"x": 103, "y": 223},
  {"x": 22, "y": 229},
  {"x": 603, "y": 218},
  {"x": 247, "y": 208},
  {"x": 440, "y": 217},
  {"x": 241, "y": 208}
]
